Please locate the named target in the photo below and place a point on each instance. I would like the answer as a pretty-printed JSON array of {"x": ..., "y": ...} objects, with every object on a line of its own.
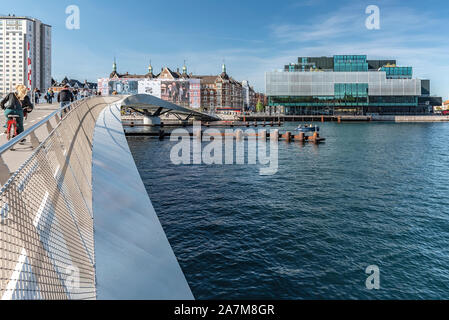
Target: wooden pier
[{"x": 238, "y": 135}]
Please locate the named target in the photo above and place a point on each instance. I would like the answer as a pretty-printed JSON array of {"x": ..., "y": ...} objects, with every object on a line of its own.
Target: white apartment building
[{"x": 25, "y": 53}]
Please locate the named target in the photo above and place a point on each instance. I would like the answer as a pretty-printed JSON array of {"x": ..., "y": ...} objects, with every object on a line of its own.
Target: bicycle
[{"x": 11, "y": 122}]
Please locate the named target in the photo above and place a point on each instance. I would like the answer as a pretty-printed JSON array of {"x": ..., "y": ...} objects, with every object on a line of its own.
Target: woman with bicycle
[{"x": 15, "y": 103}]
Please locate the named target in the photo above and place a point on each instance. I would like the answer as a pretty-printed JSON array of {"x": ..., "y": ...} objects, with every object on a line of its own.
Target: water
[{"x": 373, "y": 194}]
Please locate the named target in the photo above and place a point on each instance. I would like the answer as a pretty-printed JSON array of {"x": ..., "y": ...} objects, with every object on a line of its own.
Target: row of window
[
  {"x": 342, "y": 90},
  {"x": 399, "y": 71},
  {"x": 11, "y": 28},
  {"x": 349, "y": 58},
  {"x": 350, "y": 67},
  {"x": 10, "y": 22}
]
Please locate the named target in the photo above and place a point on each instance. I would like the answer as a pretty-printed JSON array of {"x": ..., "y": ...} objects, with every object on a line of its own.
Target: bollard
[
  {"x": 301, "y": 136},
  {"x": 161, "y": 134},
  {"x": 274, "y": 135},
  {"x": 198, "y": 134},
  {"x": 238, "y": 135}
]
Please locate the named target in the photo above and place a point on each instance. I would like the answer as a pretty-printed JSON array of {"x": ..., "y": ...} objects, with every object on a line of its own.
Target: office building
[{"x": 348, "y": 84}]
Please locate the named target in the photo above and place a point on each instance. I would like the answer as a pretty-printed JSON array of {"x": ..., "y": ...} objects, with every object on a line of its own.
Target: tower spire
[
  {"x": 223, "y": 67},
  {"x": 184, "y": 68},
  {"x": 150, "y": 68},
  {"x": 114, "y": 66}
]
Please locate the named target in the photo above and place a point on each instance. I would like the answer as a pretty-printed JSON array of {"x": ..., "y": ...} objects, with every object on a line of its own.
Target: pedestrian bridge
[{"x": 75, "y": 219}]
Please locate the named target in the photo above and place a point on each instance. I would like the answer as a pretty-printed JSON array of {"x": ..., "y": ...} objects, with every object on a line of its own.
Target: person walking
[
  {"x": 75, "y": 94},
  {"x": 49, "y": 96},
  {"x": 37, "y": 95},
  {"x": 65, "y": 97},
  {"x": 14, "y": 104}
]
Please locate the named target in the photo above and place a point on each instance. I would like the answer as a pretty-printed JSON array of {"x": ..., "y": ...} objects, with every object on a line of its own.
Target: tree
[{"x": 259, "y": 106}]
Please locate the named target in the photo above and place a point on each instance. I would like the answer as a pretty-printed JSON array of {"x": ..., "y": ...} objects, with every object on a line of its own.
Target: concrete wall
[{"x": 426, "y": 118}]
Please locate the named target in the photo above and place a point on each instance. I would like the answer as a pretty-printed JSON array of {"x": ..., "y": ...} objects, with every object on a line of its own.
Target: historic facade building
[
  {"x": 221, "y": 93},
  {"x": 211, "y": 93}
]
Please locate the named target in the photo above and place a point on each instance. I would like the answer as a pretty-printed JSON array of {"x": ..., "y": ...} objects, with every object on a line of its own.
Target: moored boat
[{"x": 307, "y": 128}]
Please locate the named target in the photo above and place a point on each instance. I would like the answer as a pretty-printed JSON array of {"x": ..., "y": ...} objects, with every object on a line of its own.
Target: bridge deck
[{"x": 22, "y": 151}]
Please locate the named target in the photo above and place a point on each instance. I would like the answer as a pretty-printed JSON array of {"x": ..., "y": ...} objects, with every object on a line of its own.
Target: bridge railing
[
  {"x": 30, "y": 133},
  {"x": 46, "y": 222}
]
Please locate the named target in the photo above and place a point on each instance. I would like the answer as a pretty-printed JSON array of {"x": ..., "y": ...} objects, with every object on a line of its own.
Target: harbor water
[{"x": 372, "y": 194}]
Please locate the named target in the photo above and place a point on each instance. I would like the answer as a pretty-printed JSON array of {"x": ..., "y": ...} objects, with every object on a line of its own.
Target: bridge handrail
[
  {"x": 11, "y": 143},
  {"x": 46, "y": 218}
]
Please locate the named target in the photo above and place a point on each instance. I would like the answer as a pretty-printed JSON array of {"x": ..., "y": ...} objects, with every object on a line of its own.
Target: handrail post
[
  {"x": 49, "y": 127},
  {"x": 33, "y": 139},
  {"x": 4, "y": 172}
]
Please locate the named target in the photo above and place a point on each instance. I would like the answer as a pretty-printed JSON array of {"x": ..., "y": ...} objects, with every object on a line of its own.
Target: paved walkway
[{"x": 14, "y": 159}]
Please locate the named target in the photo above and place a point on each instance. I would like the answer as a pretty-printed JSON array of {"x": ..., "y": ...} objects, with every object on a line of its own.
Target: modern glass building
[{"x": 348, "y": 84}]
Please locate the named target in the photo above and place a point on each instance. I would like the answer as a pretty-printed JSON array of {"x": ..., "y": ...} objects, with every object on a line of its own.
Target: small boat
[{"x": 308, "y": 128}]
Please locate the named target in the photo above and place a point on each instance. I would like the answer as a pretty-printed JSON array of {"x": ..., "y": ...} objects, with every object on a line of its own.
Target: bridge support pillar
[{"x": 151, "y": 120}]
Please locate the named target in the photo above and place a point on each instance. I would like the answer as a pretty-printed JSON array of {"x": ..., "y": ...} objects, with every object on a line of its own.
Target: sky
[{"x": 250, "y": 36}]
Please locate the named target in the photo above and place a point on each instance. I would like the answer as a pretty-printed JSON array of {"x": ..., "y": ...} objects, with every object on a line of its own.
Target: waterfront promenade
[{"x": 294, "y": 118}]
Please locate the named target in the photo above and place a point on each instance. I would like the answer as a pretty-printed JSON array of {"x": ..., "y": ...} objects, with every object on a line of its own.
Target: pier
[{"x": 238, "y": 134}]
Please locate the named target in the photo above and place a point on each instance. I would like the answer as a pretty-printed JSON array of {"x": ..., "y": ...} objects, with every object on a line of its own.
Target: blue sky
[{"x": 250, "y": 36}]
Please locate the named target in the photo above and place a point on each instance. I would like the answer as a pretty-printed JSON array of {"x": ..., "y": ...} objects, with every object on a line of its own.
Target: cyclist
[{"x": 15, "y": 103}]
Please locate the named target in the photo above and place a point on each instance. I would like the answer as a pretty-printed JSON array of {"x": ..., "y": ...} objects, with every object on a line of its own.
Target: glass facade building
[{"x": 348, "y": 84}]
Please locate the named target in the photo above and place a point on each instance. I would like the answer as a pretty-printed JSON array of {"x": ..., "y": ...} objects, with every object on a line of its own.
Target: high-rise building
[
  {"x": 25, "y": 53},
  {"x": 348, "y": 84}
]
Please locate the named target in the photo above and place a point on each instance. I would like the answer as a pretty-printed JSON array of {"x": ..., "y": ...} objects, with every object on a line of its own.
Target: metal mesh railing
[{"x": 46, "y": 222}]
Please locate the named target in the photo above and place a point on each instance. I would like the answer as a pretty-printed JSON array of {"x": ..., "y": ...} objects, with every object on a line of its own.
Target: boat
[{"x": 307, "y": 128}]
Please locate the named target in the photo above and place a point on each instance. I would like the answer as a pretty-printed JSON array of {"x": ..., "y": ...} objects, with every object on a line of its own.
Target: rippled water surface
[{"x": 373, "y": 194}]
